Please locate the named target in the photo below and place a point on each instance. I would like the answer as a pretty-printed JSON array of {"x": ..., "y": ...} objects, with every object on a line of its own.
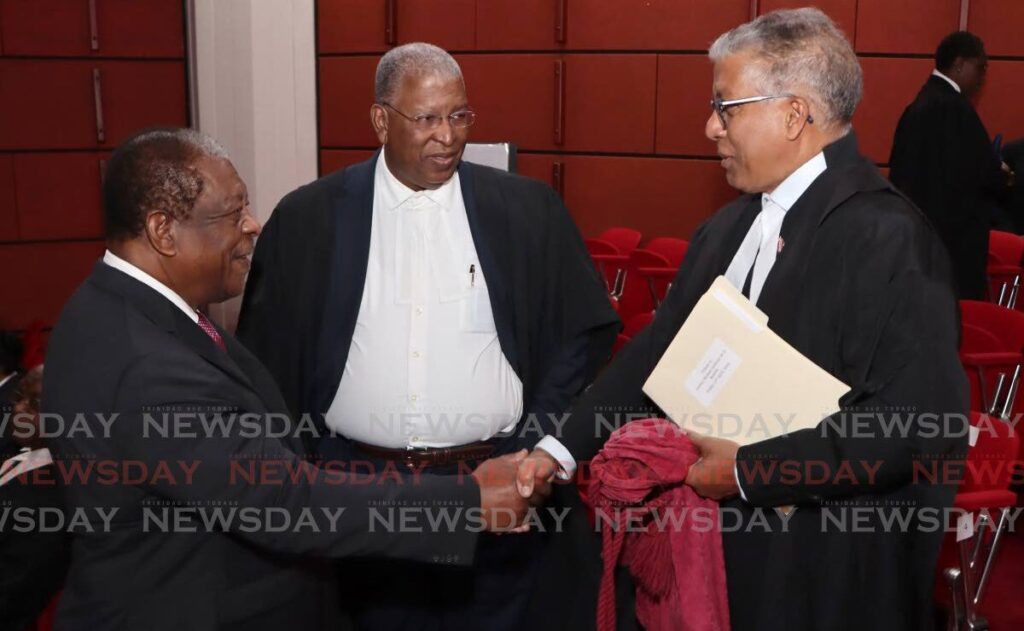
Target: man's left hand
[{"x": 714, "y": 474}]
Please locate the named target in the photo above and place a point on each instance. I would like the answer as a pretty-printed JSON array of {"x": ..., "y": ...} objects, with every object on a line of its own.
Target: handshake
[{"x": 511, "y": 484}]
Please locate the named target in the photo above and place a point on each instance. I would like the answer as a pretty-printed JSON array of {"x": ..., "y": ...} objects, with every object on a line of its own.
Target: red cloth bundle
[{"x": 659, "y": 528}]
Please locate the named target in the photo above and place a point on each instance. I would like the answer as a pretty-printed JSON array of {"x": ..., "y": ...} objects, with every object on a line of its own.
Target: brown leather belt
[{"x": 421, "y": 457}]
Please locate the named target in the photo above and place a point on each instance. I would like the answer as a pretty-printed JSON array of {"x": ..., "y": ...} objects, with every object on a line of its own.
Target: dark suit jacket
[
  {"x": 862, "y": 289},
  {"x": 942, "y": 158},
  {"x": 120, "y": 347},
  {"x": 34, "y": 562},
  {"x": 552, "y": 315}
]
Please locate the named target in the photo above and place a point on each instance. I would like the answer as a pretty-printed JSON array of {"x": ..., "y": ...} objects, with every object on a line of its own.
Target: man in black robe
[
  {"x": 943, "y": 159},
  {"x": 419, "y": 286},
  {"x": 851, "y": 275}
]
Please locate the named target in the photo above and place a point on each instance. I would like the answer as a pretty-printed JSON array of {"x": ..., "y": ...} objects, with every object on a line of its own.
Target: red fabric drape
[{"x": 659, "y": 528}]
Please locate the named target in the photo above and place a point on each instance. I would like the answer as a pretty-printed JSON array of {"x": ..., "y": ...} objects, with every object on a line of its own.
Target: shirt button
[
  {"x": 419, "y": 310},
  {"x": 415, "y": 397},
  {"x": 416, "y": 354}
]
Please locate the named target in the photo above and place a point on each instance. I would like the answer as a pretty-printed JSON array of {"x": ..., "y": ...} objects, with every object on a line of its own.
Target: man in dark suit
[
  {"x": 191, "y": 508},
  {"x": 34, "y": 562},
  {"x": 853, "y": 277},
  {"x": 428, "y": 310},
  {"x": 942, "y": 158}
]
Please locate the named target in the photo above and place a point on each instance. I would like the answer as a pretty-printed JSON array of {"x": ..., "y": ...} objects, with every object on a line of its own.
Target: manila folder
[{"x": 726, "y": 374}]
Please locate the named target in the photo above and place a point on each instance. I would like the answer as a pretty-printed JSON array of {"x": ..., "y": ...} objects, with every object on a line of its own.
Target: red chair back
[
  {"x": 636, "y": 294},
  {"x": 1004, "y": 324},
  {"x": 624, "y": 239},
  {"x": 1007, "y": 248},
  {"x": 673, "y": 249}
]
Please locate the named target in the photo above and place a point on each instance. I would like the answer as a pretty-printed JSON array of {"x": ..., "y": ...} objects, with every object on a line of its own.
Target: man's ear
[
  {"x": 379, "y": 120},
  {"x": 798, "y": 116},
  {"x": 161, "y": 232}
]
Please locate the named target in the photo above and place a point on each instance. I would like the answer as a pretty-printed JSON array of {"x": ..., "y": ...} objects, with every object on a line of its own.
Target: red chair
[
  {"x": 1007, "y": 327},
  {"x": 1005, "y": 254},
  {"x": 610, "y": 251},
  {"x": 1006, "y": 247},
  {"x": 625, "y": 240},
  {"x": 985, "y": 487},
  {"x": 640, "y": 294},
  {"x": 987, "y": 366},
  {"x": 674, "y": 250}
]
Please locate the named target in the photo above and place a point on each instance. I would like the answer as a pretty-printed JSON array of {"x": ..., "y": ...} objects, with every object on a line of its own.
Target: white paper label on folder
[{"x": 713, "y": 372}]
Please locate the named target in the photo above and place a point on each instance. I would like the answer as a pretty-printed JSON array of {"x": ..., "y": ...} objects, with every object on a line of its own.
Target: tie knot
[{"x": 210, "y": 330}]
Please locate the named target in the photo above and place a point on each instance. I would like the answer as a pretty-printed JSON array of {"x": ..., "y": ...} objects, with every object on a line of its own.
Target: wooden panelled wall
[
  {"x": 76, "y": 78},
  {"x": 607, "y": 99}
]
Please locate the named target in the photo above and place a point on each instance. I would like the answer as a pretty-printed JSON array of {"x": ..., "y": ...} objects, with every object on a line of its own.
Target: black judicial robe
[
  {"x": 551, "y": 311},
  {"x": 942, "y": 158},
  {"x": 861, "y": 288}
]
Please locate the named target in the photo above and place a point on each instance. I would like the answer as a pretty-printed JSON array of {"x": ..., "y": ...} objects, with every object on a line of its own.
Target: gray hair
[
  {"x": 800, "y": 49},
  {"x": 414, "y": 58},
  {"x": 155, "y": 169}
]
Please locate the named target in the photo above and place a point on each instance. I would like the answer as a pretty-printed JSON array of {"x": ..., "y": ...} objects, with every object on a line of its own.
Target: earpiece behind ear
[{"x": 810, "y": 119}]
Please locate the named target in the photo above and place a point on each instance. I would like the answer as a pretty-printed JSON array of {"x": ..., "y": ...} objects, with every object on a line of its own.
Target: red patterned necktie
[{"x": 209, "y": 329}]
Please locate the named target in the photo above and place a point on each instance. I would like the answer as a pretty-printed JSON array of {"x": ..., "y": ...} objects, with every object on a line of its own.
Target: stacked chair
[
  {"x": 1005, "y": 254},
  {"x": 992, "y": 343},
  {"x": 610, "y": 252},
  {"x": 637, "y": 278}
]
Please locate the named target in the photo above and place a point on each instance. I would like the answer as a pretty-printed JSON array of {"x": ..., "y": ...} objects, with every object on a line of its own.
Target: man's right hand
[{"x": 503, "y": 506}]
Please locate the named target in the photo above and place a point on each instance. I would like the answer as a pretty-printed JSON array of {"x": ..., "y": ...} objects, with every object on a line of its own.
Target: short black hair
[
  {"x": 958, "y": 45},
  {"x": 10, "y": 352},
  {"x": 154, "y": 169}
]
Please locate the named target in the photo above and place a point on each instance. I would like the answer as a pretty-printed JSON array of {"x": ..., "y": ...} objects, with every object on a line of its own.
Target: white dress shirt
[
  {"x": 762, "y": 244},
  {"x": 122, "y": 265},
  {"x": 956, "y": 86},
  {"x": 425, "y": 367}
]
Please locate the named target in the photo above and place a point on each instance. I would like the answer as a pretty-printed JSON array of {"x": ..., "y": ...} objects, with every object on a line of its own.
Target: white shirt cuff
[
  {"x": 566, "y": 463},
  {"x": 736, "y": 472}
]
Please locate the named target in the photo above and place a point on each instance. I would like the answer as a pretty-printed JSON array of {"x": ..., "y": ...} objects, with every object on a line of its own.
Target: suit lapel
[
  {"x": 847, "y": 174},
  {"x": 352, "y": 210},
  {"x": 170, "y": 318},
  {"x": 488, "y": 224}
]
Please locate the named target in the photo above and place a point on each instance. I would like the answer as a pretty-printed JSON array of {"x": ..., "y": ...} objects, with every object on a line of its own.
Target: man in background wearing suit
[
  {"x": 942, "y": 158},
  {"x": 180, "y": 533},
  {"x": 853, "y": 277},
  {"x": 428, "y": 311}
]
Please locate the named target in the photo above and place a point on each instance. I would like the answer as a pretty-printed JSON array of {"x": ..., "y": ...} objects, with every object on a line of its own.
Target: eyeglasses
[
  {"x": 721, "y": 107},
  {"x": 428, "y": 122}
]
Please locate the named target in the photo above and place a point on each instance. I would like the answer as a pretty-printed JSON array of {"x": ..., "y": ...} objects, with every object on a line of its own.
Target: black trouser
[{"x": 386, "y": 595}]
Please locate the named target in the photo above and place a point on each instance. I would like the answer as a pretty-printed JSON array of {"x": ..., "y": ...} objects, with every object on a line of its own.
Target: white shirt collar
[
  {"x": 794, "y": 186},
  {"x": 7, "y": 378},
  {"x": 936, "y": 73},
  {"x": 394, "y": 194},
  {"x": 122, "y": 265}
]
